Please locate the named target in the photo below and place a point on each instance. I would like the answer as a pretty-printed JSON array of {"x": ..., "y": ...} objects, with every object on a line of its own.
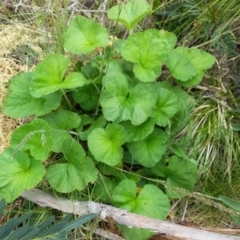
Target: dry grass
[{"x": 11, "y": 37}]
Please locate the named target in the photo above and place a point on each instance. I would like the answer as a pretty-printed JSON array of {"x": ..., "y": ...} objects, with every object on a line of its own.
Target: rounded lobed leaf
[
  {"x": 150, "y": 202},
  {"x": 106, "y": 144},
  {"x": 139, "y": 132},
  {"x": 180, "y": 173},
  {"x": 49, "y": 74},
  {"x": 180, "y": 66},
  {"x": 192, "y": 81},
  {"x": 76, "y": 174},
  {"x": 63, "y": 119},
  {"x": 166, "y": 106},
  {"x": 19, "y": 103},
  {"x": 84, "y": 35},
  {"x": 148, "y": 49},
  {"x": 135, "y": 104},
  {"x": 18, "y": 172},
  {"x": 149, "y": 151},
  {"x": 61, "y": 122},
  {"x": 200, "y": 59},
  {"x": 130, "y": 14}
]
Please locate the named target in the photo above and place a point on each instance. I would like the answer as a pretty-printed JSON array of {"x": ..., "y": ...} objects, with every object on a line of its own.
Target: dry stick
[{"x": 121, "y": 216}]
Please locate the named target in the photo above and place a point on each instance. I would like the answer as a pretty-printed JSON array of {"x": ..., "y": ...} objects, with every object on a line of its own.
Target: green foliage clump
[{"x": 106, "y": 121}]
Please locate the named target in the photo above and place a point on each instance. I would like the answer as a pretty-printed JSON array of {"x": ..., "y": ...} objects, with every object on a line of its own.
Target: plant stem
[{"x": 66, "y": 98}]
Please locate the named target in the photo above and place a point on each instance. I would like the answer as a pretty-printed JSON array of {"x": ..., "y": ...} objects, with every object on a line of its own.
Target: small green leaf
[
  {"x": 76, "y": 173},
  {"x": 180, "y": 66},
  {"x": 84, "y": 35},
  {"x": 61, "y": 121},
  {"x": 180, "y": 173},
  {"x": 130, "y": 14},
  {"x": 230, "y": 202},
  {"x": 105, "y": 144},
  {"x": 35, "y": 136},
  {"x": 120, "y": 103},
  {"x": 87, "y": 96},
  {"x": 150, "y": 202},
  {"x": 19, "y": 103},
  {"x": 148, "y": 49},
  {"x": 166, "y": 106},
  {"x": 149, "y": 151},
  {"x": 137, "y": 133},
  {"x": 49, "y": 74},
  {"x": 18, "y": 172}
]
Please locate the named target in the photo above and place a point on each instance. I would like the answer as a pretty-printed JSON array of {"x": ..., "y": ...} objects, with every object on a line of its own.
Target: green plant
[
  {"x": 21, "y": 228},
  {"x": 107, "y": 120}
]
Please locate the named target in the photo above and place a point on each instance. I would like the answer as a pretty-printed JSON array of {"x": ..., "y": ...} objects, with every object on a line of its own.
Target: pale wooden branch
[{"x": 122, "y": 217}]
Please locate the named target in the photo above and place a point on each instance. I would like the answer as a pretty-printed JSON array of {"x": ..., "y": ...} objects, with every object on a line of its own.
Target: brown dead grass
[{"x": 12, "y": 36}]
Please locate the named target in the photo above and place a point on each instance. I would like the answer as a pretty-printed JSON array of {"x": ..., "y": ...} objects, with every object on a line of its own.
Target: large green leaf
[
  {"x": 120, "y": 103},
  {"x": 18, "y": 172},
  {"x": 76, "y": 173},
  {"x": 180, "y": 66},
  {"x": 180, "y": 173},
  {"x": 35, "y": 136},
  {"x": 61, "y": 122},
  {"x": 106, "y": 144},
  {"x": 19, "y": 103},
  {"x": 166, "y": 106},
  {"x": 149, "y": 151},
  {"x": 150, "y": 202},
  {"x": 130, "y": 14},
  {"x": 137, "y": 133},
  {"x": 49, "y": 74},
  {"x": 148, "y": 49},
  {"x": 84, "y": 35}
]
